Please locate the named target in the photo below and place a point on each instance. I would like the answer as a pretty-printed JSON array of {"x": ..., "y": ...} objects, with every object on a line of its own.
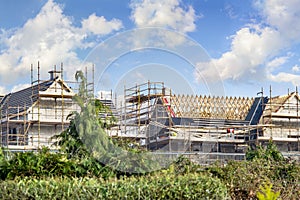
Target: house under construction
[
  {"x": 154, "y": 117},
  {"x": 160, "y": 120},
  {"x": 30, "y": 117}
]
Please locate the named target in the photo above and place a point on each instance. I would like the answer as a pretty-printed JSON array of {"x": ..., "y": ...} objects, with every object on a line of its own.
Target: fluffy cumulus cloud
[
  {"x": 168, "y": 13},
  {"x": 284, "y": 77},
  {"x": 282, "y": 15},
  {"x": 51, "y": 38},
  {"x": 99, "y": 25},
  {"x": 255, "y": 44}
]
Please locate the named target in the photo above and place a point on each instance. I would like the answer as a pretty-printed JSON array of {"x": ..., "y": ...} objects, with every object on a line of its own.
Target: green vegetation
[
  {"x": 244, "y": 179},
  {"x": 46, "y": 164},
  {"x": 269, "y": 153},
  {"x": 190, "y": 186},
  {"x": 267, "y": 193},
  {"x": 85, "y": 126},
  {"x": 45, "y": 175}
]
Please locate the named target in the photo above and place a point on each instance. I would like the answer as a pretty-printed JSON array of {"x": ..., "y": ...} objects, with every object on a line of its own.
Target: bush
[
  {"x": 244, "y": 178},
  {"x": 47, "y": 164},
  {"x": 191, "y": 186},
  {"x": 270, "y": 153}
]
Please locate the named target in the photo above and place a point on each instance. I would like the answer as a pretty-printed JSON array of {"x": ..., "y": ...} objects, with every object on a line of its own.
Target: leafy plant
[
  {"x": 85, "y": 132},
  {"x": 69, "y": 140},
  {"x": 270, "y": 153},
  {"x": 267, "y": 193}
]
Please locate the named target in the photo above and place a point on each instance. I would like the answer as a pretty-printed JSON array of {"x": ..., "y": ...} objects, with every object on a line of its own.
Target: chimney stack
[{"x": 54, "y": 74}]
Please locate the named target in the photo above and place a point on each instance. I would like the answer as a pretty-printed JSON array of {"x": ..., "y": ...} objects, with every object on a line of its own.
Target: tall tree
[{"x": 85, "y": 133}]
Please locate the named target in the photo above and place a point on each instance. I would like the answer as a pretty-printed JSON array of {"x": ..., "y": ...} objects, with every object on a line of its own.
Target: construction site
[
  {"x": 32, "y": 116},
  {"x": 150, "y": 115},
  {"x": 207, "y": 127}
]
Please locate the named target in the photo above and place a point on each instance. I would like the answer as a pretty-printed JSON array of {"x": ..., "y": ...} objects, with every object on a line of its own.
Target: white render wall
[
  {"x": 45, "y": 137},
  {"x": 49, "y": 110}
]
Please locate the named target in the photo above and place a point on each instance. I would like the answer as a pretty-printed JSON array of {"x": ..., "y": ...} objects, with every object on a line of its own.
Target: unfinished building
[
  {"x": 154, "y": 117},
  {"x": 159, "y": 118},
  {"x": 163, "y": 121},
  {"x": 30, "y": 117},
  {"x": 282, "y": 115}
]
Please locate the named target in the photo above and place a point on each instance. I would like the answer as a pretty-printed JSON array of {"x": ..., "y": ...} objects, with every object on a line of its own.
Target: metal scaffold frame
[
  {"x": 213, "y": 119},
  {"x": 282, "y": 116},
  {"x": 143, "y": 106},
  {"x": 44, "y": 113}
]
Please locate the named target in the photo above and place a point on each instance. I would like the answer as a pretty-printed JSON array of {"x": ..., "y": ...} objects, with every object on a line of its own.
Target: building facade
[{"x": 30, "y": 117}]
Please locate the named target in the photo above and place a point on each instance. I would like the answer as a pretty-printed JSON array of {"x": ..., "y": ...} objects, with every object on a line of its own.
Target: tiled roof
[{"x": 17, "y": 101}]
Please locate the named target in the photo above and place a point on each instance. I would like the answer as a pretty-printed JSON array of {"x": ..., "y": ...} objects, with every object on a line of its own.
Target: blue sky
[{"x": 218, "y": 47}]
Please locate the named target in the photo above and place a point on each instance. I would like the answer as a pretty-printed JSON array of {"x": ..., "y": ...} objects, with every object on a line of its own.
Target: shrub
[
  {"x": 191, "y": 186},
  {"x": 266, "y": 193},
  {"x": 244, "y": 178},
  {"x": 47, "y": 164},
  {"x": 269, "y": 153}
]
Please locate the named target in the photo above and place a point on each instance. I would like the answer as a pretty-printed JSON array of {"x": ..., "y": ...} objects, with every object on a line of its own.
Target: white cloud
[
  {"x": 99, "y": 25},
  {"x": 167, "y": 13},
  {"x": 276, "y": 63},
  {"x": 156, "y": 38},
  {"x": 285, "y": 77},
  {"x": 3, "y": 90},
  {"x": 20, "y": 87},
  {"x": 254, "y": 44},
  {"x": 169, "y": 18},
  {"x": 283, "y": 15},
  {"x": 296, "y": 68},
  {"x": 51, "y": 38},
  {"x": 250, "y": 47}
]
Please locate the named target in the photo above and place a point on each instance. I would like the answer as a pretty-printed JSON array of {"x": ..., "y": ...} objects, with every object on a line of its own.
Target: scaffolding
[
  {"x": 151, "y": 115},
  {"x": 282, "y": 116},
  {"x": 208, "y": 125},
  {"x": 159, "y": 119},
  {"x": 31, "y": 116},
  {"x": 145, "y": 115}
]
